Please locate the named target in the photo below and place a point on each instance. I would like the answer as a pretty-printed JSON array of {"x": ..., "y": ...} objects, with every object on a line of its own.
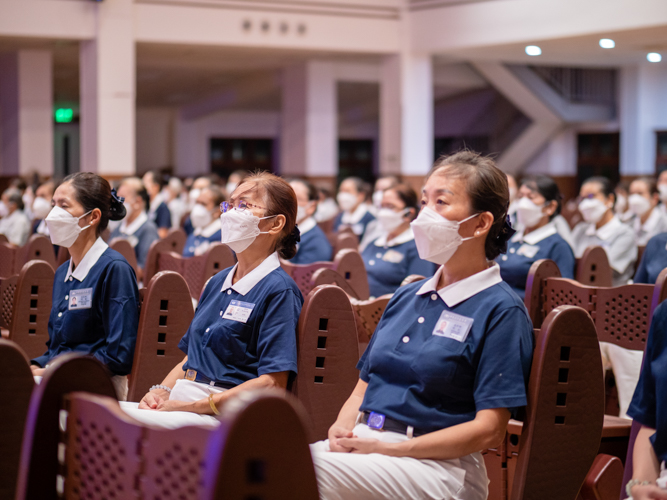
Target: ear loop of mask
[
  {"x": 465, "y": 220},
  {"x": 87, "y": 213}
]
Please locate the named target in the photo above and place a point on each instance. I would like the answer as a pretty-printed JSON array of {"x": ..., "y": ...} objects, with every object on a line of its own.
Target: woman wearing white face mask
[
  {"x": 14, "y": 224},
  {"x": 95, "y": 297},
  {"x": 643, "y": 202},
  {"x": 351, "y": 200},
  {"x": 393, "y": 256},
  {"x": 205, "y": 218},
  {"x": 449, "y": 361},
  {"x": 243, "y": 335},
  {"x": 537, "y": 204},
  {"x": 314, "y": 245}
]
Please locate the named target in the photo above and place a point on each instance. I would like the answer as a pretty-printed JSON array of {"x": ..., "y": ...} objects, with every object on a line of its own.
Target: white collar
[
  {"x": 651, "y": 223},
  {"x": 404, "y": 237},
  {"x": 536, "y": 236},
  {"x": 88, "y": 261},
  {"x": 462, "y": 290},
  {"x": 606, "y": 231},
  {"x": 245, "y": 284},
  {"x": 356, "y": 216},
  {"x": 157, "y": 201},
  {"x": 134, "y": 226},
  {"x": 307, "y": 224},
  {"x": 209, "y": 230}
]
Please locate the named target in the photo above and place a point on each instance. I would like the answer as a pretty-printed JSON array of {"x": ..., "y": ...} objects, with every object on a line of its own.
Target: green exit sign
[{"x": 64, "y": 115}]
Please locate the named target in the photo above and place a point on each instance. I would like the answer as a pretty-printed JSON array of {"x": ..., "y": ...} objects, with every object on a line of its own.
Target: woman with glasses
[{"x": 243, "y": 335}]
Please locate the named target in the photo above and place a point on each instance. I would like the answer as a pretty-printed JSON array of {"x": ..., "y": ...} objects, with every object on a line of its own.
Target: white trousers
[
  {"x": 626, "y": 365},
  {"x": 184, "y": 390},
  {"x": 348, "y": 476},
  {"x": 119, "y": 384}
]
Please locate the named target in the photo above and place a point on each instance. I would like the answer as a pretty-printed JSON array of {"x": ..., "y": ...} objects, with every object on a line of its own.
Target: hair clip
[
  {"x": 296, "y": 234},
  {"x": 115, "y": 196},
  {"x": 508, "y": 231}
]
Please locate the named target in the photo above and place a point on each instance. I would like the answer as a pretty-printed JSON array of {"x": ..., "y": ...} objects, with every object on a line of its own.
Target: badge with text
[
  {"x": 528, "y": 251},
  {"x": 453, "y": 326},
  {"x": 393, "y": 256},
  {"x": 238, "y": 311},
  {"x": 80, "y": 299}
]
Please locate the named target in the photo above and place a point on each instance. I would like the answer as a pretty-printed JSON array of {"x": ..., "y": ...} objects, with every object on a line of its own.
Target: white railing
[{"x": 580, "y": 85}]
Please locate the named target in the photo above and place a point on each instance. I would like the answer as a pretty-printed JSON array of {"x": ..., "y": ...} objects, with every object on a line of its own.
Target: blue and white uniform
[
  {"x": 653, "y": 261},
  {"x": 357, "y": 220},
  {"x": 95, "y": 311},
  {"x": 388, "y": 263},
  {"x": 200, "y": 240},
  {"x": 433, "y": 363},
  {"x": 141, "y": 233},
  {"x": 159, "y": 214},
  {"x": 656, "y": 223},
  {"x": 314, "y": 245},
  {"x": 523, "y": 250}
]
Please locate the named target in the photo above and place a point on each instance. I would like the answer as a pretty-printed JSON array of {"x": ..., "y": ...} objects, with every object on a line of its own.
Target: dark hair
[
  {"x": 606, "y": 187},
  {"x": 93, "y": 191},
  {"x": 19, "y": 184},
  {"x": 359, "y": 185},
  {"x": 280, "y": 200},
  {"x": 486, "y": 186},
  {"x": 14, "y": 196},
  {"x": 651, "y": 184},
  {"x": 313, "y": 194},
  {"x": 546, "y": 187},
  {"x": 158, "y": 178},
  {"x": 407, "y": 195}
]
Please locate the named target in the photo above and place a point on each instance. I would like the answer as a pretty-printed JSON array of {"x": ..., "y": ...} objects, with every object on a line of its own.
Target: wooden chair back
[
  {"x": 593, "y": 268},
  {"x": 327, "y": 355},
  {"x": 7, "y": 259},
  {"x": 123, "y": 247},
  {"x": 40, "y": 466},
  {"x": 166, "y": 314},
  {"x": 15, "y": 392},
  {"x": 151, "y": 264},
  {"x": 7, "y": 292},
  {"x": 367, "y": 314},
  {"x": 176, "y": 240},
  {"x": 345, "y": 240},
  {"x": 62, "y": 257},
  {"x": 38, "y": 247},
  {"x": 565, "y": 411},
  {"x": 327, "y": 225},
  {"x": 3, "y": 238},
  {"x": 32, "y": 308},
  {"x": 539, "y": 271}
]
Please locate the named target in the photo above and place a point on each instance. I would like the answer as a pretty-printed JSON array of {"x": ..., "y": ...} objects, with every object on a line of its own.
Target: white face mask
[
  {"x": 301, "y": 214},
  {"x": 377, "y": 198},
  {"x": 194, "y": 194},
  {"x": 347, "y": 201},
  {"x": 662, "y": 189},
  {"x": 436, "y": 237},
  {"x": 638, "y": 204},
  {"x": 40, "y": 208},
  {"x": 200, "y": 216},
  {"x": 621, "y": 204},
  {"x": 230, "y": 187},
  {"x": 63, "y": 227},
  {"x": 4, "y": 211},
  {"x": 390, "y": 220},
  {"x": 239, "y": 228},
  {"x": 592, "y": 209},
  {"x": 528, "y": 213}
]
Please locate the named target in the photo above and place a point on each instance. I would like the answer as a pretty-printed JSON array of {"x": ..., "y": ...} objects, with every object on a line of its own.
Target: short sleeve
[
  {"x": 206, "y": 294},
  {"x": 623, "y": 252},
  {"x": 148, "y": 236},
  {"x": 276, "y": 343},
  {"x": 641, "y": 276},
  {"x": 163, "y": 217},
  {"x": 564, "y": 258}
]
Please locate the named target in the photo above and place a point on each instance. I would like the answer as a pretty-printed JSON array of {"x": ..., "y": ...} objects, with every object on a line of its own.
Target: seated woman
[
  {"x": 643, "y": 201},
  {"x": 653, "y": 261},
  {"x": 352, "y": 201},
  {"x": 41, "y": 206},
  {"x": 205, "y": 219},
  {"x": 158, "y": 211},
  {"x": 95, "y": 297},
  {"x": 243, "y": 335},
  {"x": 601, "y": 227},
  {"x": 449, "y": 362},
  {"x": 393, "y": 256},
  {"x": 14, "y": 223},
  {"x": 314, "y": 245},
  {"x": 538, "y": 203}
]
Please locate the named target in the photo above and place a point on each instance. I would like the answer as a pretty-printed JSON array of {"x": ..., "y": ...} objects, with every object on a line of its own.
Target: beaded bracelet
[
  {"x": 634, "y": 482},
  {"x": 160, "y": 386}
]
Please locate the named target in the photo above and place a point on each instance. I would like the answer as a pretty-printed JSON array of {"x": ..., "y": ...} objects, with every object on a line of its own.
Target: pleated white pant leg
[{"x": 626, "y": 365}]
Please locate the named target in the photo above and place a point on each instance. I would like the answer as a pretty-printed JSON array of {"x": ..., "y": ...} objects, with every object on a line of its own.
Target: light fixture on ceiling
[
  {"x": 533, "y": 50},
  {"x": 607, "y": 43},
  {"x": 653, "y": 57}
]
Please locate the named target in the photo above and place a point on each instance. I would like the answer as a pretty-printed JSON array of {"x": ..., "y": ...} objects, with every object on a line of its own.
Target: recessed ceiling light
[
  {"x": 533, "y": 50},
  {"x": 607, "y": 43},
  {"x": 653, "y": 57}
]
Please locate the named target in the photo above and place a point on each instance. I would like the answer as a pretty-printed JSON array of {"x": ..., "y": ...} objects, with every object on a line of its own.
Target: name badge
[
  {"x": 238, "y": 311},
  {"x": 453, "y": 326},
  {"x": 80, "y": 299},
  {"x": 393, "y": 256},
  {"x": 528, "y": 250}
]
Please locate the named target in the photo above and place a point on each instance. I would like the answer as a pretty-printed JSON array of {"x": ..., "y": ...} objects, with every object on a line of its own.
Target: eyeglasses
[{"x": 241, "y": 205}]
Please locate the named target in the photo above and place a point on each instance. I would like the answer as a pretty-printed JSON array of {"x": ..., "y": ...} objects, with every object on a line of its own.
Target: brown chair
[
  {"x": 62, "y": 257},
  {"x": 7, "y": 259},
  {"x": 327, "y": 225},
  {"x": 367, "y": 314},
  {"x": 413, "y": 278},
  {"x": 593, "y": 268},
  {"x": 32, "y": 308},
  {"x": 605, "y": 479},
  {"x": 345, "y": 240},
  {"x": 166, "y": 314},
  {"x": 176, "y": 240},
  {"x": 327, "y": 355},
  {"x": 539, "y": 271},
  {"x": 3, "y": 238},
  {"x": 39, "y": 465},
  {"x": 38, "y": 247},
  {"x": 7, "y": 291},
  {"x": 124, "y": 247},
  {"x": 15, "y": 394}
]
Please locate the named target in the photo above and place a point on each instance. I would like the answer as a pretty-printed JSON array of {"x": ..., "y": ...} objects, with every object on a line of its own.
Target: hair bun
[
  {"x": 294, "y": 237},
  {"x": 505, "y": 234},
  {"x": 116, "y": 207}
]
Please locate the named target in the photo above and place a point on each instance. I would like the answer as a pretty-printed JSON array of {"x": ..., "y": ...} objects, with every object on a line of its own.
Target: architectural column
[
  {"x": 26, "y": 107},
  {"x": 108, "y": 87},
  {"x": 309, "y": 125},
  {"x": 406, "y": 114}
]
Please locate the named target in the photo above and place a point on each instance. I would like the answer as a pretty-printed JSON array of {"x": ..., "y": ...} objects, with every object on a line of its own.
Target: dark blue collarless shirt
[
  {"x": 198, "y": 241},
  {"x": 653, "y": 261},
  {"x": 98, "y": 313},
  {"x": 358, "y": 228},
  {"x": 314, "y": 245},
  {"x": 161, "y": 217}
]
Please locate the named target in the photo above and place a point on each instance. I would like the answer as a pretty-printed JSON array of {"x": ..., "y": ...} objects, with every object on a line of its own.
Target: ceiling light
[
  {"x": 607, "y": 43},
  {"x": 653, "y": 57},
  {"x": 533, "y": 50}
]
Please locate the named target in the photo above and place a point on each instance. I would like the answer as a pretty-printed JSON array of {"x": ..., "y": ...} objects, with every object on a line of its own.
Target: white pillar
[
  {"x": 26, "y": 101},
  {"x": 406, "y": 114},
  {"x": 643, "y": 110},
  {"x": 309, "y": 131},
  {"x": 108, "y": 92}
]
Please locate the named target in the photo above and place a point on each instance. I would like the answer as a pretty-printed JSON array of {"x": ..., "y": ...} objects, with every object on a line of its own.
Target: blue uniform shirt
[
  {"x": 95, "y": 310},
  {"x": 426, "y": 369},
  {"x": 314, "y": 245},
  {"x": 653, "y": 261},
  {"x": 141, "y": 233},
  {"x": 245, "y": 330},
  {"x": 357, "y": 220},
  {"x": 649, "y": 406},
  {"x": 523, "y": 251},
  {"x": 198, "y": 242},
  {"x": 389, "y": 263},
  {"x": 161, "y": 216}
]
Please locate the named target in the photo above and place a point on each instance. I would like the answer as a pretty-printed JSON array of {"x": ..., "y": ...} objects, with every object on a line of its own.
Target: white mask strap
[{"x": 464, "y": 220}]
